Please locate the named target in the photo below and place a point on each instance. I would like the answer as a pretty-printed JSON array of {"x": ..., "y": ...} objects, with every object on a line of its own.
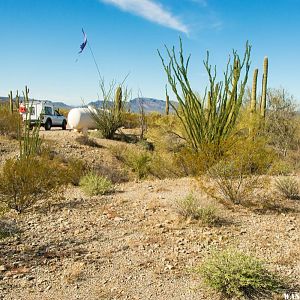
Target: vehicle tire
[
  {"x": 64, "y": 125},
  {"x": 48, "y": 124}
]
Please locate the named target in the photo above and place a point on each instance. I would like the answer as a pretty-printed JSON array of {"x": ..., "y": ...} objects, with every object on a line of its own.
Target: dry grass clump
[
  {"x": 93, "y": 184},
  {"x": 87, "y": 141},
  {"x": 9, "y": 122},
  {"x": 190, "y": 207},
  {"x": 235, "y": 274},
  {"x": 288, "y": 187}
]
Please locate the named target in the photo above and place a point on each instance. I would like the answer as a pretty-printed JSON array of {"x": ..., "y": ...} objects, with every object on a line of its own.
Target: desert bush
[
  {"x": 190, "y": 207},
  {"x": 235, "y": 274},
  {"x": 230, "y": 183},
  {"x": 281, "y": 167},
  {"x": 9, "y": 122},
  {"x": 26, "y": 180},
  {"x": 138, "y": 160},
  {"x": 131, "y": 120},
  {"x": 87, "y": 141},
  {"x": 281, "y": 124},
  {"x": 8, "y": 228},
  {"x": 288, "y": 187},
  {"x": 110, "y": 116},
  {"x": 209, "y": 119},
  {"x": 114, "y": 173},
  {"x": 233, "y": 178},
  {"x": 93, "y": 184},
  {"x": 74, "y": 170}
]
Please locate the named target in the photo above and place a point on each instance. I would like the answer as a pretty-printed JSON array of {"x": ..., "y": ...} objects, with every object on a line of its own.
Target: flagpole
[{"x": 97, "y": 67}]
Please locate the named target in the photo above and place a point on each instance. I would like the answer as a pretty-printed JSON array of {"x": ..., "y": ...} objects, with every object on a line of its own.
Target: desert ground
[{"x": 131, "y": 244}]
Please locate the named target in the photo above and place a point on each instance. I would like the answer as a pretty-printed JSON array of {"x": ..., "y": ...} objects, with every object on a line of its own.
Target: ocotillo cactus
[
  {"x": 118, "y": 99},
  {"x": 263, "y": 102},
  {"x": 208, "y": 105},
  {"x": 11, "y": 104},
  {"x": 253, "y": 92},
  {"x": 167, "y": 102}
]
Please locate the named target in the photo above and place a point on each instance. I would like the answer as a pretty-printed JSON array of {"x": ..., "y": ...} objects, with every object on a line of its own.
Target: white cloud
[{"x": 152, "y": 11}]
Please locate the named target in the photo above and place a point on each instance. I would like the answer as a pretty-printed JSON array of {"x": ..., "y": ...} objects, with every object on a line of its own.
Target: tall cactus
[
  {"x": 263, "y": 103},
  {"x": 253, "y": 92},
  {"x": 11, "y": 104},
  {"x": 167, "y": 102},
  {"x": 118, "y": 99},
  {"x": 17, "y": 100}
]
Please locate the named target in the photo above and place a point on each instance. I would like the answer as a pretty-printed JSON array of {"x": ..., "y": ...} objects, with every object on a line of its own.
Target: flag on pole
[{"x": 82, "y": 46}]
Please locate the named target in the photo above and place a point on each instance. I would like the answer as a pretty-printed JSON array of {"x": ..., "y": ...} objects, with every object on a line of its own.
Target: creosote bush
[
  {"x": 190, "y": 207},
  {"x": 24, "y": 181},
  {"x": 93, "y": 184},
  {"x": 288, "y": 187},
  {"x": 235, "y": 274},
  {"x": 233, "y": 178}
]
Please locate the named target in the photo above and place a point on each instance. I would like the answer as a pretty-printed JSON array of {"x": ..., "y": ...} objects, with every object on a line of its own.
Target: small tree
[{"x": 281, "y": 123}]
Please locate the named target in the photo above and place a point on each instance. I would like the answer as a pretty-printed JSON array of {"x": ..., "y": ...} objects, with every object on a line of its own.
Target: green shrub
[
  {"x": 190, "y": 207},
  {"x": 288, "y": 187},
  {"x": 26, "y": 180},
  {"x": 139, "y": 161},
  {"x": 281, "y": 167},
  {"x": 238, "y": 275},
  {"x": 93, "y": 184},
  {"x": 9, "y": 123}
]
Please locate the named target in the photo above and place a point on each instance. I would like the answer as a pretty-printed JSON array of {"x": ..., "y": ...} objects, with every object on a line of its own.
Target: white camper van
[{"x": 45, "y": 112}]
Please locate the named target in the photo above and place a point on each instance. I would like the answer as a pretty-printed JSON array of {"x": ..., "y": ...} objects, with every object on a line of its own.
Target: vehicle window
[{"x": 48, "y": 110}]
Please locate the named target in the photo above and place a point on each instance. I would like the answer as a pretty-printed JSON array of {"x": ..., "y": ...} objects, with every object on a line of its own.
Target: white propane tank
[{"x": 81, "y": 119}]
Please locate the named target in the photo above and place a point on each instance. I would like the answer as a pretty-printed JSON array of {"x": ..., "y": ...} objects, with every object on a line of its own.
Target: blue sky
[{"x": 40, "y": 40}]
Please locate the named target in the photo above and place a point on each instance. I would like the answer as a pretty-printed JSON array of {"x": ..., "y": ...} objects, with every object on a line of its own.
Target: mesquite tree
[{"x": 211, "y": 119}]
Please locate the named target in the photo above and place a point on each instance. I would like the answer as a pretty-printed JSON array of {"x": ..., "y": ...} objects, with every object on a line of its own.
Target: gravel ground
[{"x": 131, "y": 244}]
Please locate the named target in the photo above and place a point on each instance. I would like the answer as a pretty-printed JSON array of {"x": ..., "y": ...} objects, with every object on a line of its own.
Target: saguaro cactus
[
  {"x": 17, "y": 100},
  {"x": 11, "y": 104},
  {"x": 253, "y": 92},
  {"x": 118, "y": 99},
  {"x": 263, "y": 103},
  {"x": 167, "y": 102}
]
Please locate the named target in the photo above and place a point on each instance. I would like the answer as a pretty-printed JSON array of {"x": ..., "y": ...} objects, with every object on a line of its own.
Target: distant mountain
[
  {"x": 55, "y": 103},
  {"x": 148, "y": 104},
  {"x": 134, "y": 105}
]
